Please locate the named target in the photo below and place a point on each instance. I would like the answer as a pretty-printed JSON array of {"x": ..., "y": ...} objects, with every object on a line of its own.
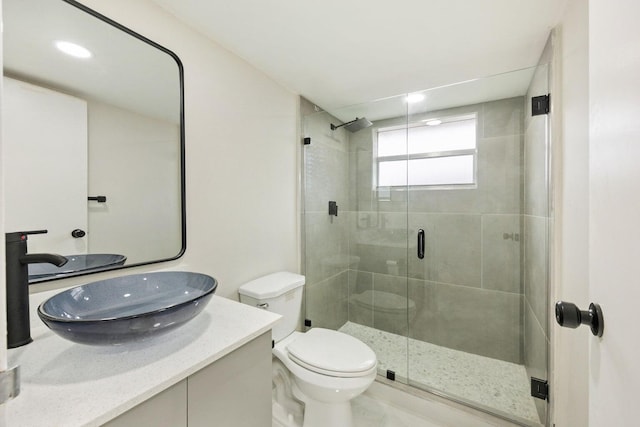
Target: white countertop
[{"x": 68, "y": 384}]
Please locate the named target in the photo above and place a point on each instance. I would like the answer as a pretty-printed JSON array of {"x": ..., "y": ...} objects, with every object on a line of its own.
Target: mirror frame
[{"x": 182, "y": 175}]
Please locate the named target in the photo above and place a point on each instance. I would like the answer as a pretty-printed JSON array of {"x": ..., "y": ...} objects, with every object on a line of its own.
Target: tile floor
[
  {"x": 370, "y": 412},
  {"x": 489, "y": 382}
]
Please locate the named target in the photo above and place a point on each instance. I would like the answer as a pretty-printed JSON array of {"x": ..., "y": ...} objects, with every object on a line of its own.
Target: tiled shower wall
[
  {"x": 466, "y": 293},
  {"x": 326, "y": 238}
]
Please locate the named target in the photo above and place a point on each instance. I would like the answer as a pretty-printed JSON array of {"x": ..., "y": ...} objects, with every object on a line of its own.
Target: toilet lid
[{"x": 332, "y": 353}]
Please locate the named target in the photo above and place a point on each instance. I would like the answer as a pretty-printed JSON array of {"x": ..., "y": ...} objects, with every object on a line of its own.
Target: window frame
[{"x": 427, "y": 155}]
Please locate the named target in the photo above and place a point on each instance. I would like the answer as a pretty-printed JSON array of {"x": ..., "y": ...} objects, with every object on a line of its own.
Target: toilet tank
[{"x": 279, "y": 293}]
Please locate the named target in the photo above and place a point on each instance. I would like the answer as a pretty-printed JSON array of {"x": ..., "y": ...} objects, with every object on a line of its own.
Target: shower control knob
[{"x": 569, "y": 315}]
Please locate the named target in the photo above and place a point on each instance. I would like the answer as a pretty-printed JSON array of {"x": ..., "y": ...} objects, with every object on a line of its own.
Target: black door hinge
[
  {"x": 307, "y": 323},
  {"x": 540, "y": 105},
  {"x": 306, "y": 140},
  {"x": 540, "y": 388}
]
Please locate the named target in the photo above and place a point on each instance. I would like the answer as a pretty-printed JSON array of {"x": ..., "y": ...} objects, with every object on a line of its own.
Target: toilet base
[
  {"x": 326, "y": 398},
  {"x": 320, "y": 414}
]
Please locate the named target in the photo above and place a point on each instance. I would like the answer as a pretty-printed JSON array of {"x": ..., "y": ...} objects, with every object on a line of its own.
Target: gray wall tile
[
  {"x": 478, "y": 321},
  {"x": 327, "y": 302},
  {"x": 503, "y": 117},
  {"x": 535, "y": 266},
  {"x": 500, "y": 256},
  {"x": 535, "y": 179},
  {"x": 327, "y": 242},
  {"x": 379, "y": 239},
  {"x": 499, "y": 169},
  {"x": 452, "y": 248}
]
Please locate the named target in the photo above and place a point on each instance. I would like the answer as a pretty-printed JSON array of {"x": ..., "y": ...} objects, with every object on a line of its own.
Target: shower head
[{"x": 354, "y": 125}]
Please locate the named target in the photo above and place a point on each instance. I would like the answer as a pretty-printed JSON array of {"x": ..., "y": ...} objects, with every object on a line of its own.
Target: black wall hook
[{"x": 569, "y": 315}]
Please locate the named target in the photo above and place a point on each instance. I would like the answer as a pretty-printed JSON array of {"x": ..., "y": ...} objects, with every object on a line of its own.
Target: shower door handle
[{"x": 421, "y": 243}]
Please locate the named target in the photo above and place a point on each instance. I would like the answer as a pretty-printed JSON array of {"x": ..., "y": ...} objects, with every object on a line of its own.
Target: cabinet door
[
  {"x": 234, "y": 391},
  {"x": 168, "y": 409}
]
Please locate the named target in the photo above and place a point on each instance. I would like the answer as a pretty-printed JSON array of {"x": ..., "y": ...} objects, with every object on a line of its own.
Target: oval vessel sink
[
  {"x": 76, "y": 264},
  {"x": 128, "y": 308}
]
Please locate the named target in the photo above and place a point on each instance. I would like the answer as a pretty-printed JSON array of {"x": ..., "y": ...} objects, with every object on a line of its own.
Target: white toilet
[{"x": 328, "y": 368}]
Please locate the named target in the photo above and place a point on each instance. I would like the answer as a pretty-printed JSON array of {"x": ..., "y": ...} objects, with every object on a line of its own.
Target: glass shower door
[
  {"x": 475, "y": 159},
  {"x": 355, "y": 231},
  {"x": 426, "y": 236}
]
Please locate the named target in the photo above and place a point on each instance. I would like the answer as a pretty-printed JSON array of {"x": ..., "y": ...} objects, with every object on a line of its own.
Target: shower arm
[{"x": 334, "y": 127}]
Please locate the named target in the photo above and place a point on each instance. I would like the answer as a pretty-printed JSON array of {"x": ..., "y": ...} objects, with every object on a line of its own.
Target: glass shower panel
[
  {"x": 356, "y": 261},
  {"x": 467, "y": 165},
  {"x": 468, "y": 336}
]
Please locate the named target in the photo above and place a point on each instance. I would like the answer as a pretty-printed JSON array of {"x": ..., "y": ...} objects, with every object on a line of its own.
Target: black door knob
[
  {"x": 77, "y": 233},
  {"x": 569, "y": 315}
]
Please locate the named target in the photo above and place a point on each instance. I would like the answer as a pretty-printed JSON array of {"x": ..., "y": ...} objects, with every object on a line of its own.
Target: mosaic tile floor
[{"x": 492, "y": 383}]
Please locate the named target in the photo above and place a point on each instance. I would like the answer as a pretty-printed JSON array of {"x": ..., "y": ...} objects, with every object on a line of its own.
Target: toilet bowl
[
  {"x": 326, "y": 385},
  {"x": 327, "y": 368}
]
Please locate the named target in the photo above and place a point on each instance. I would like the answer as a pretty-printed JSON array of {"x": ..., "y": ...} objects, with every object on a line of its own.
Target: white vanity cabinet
[
  {"x": 213, "y": 371},
  {"x": 231, "y": 392},
  {"x": 167, "y": 408}
]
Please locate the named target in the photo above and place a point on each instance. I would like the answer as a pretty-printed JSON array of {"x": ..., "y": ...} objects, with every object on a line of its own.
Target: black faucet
[{"x": 18, "y": 326}]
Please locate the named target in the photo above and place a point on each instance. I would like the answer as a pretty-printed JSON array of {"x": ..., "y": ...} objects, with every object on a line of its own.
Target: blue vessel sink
[
  {"x": 76, "y": 264},
  {"x": 128, "y": 308}
]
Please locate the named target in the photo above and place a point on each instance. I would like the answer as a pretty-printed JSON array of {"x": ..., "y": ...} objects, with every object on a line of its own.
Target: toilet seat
[{"x": 332, "y": 353}]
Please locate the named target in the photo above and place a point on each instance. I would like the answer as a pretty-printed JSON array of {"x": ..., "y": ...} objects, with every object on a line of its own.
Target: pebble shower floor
[{"x": 492, "y": 383}]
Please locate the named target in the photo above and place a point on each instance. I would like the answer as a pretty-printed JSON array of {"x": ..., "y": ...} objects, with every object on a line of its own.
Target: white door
[
  {"x": 614, "y": 225},
  {"x": 45, "y": 161}
]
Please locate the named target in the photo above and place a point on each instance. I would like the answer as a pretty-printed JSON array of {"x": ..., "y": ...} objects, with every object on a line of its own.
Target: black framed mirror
[{"x": 93, "y": 134}]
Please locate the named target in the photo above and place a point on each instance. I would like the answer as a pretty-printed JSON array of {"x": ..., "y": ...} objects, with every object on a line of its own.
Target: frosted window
[
  {"x": 392, "y": 173},
  {"x": 459, "y": 135},
  {"x": 392, "y": 142},
  {"x": 452, "y": 170},
  {"x": 422, "y": 155},
  {"x": 448, "y": 136}
]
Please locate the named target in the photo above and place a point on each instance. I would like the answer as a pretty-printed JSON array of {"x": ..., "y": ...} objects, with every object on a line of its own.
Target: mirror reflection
[{"x": 94, "y": 139}]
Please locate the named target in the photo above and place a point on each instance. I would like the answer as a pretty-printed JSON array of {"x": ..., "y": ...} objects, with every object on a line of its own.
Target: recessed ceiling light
[
  {"x": 73, "y": 49},
  {"x": 433, "y": 122},
  {"x": 415, "y": 97}
]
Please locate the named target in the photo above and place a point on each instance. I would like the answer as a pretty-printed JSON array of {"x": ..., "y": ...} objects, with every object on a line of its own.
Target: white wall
[
  {"x": 45, "y": 160},
  {"x": 141, "y": 218},
  {"x": 569, "y": 382},
  {"x": 241, "y": 155},
  {"x": 614, "y": 209}
]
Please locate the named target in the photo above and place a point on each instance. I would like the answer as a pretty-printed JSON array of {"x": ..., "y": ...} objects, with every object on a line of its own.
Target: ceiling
[
  {"x": 338, "y": 53},
  {"x": 118, "y": 73}
]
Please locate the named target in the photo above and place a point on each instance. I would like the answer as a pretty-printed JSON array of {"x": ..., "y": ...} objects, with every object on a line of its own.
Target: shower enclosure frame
[{"x": 308, "y": 108}]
